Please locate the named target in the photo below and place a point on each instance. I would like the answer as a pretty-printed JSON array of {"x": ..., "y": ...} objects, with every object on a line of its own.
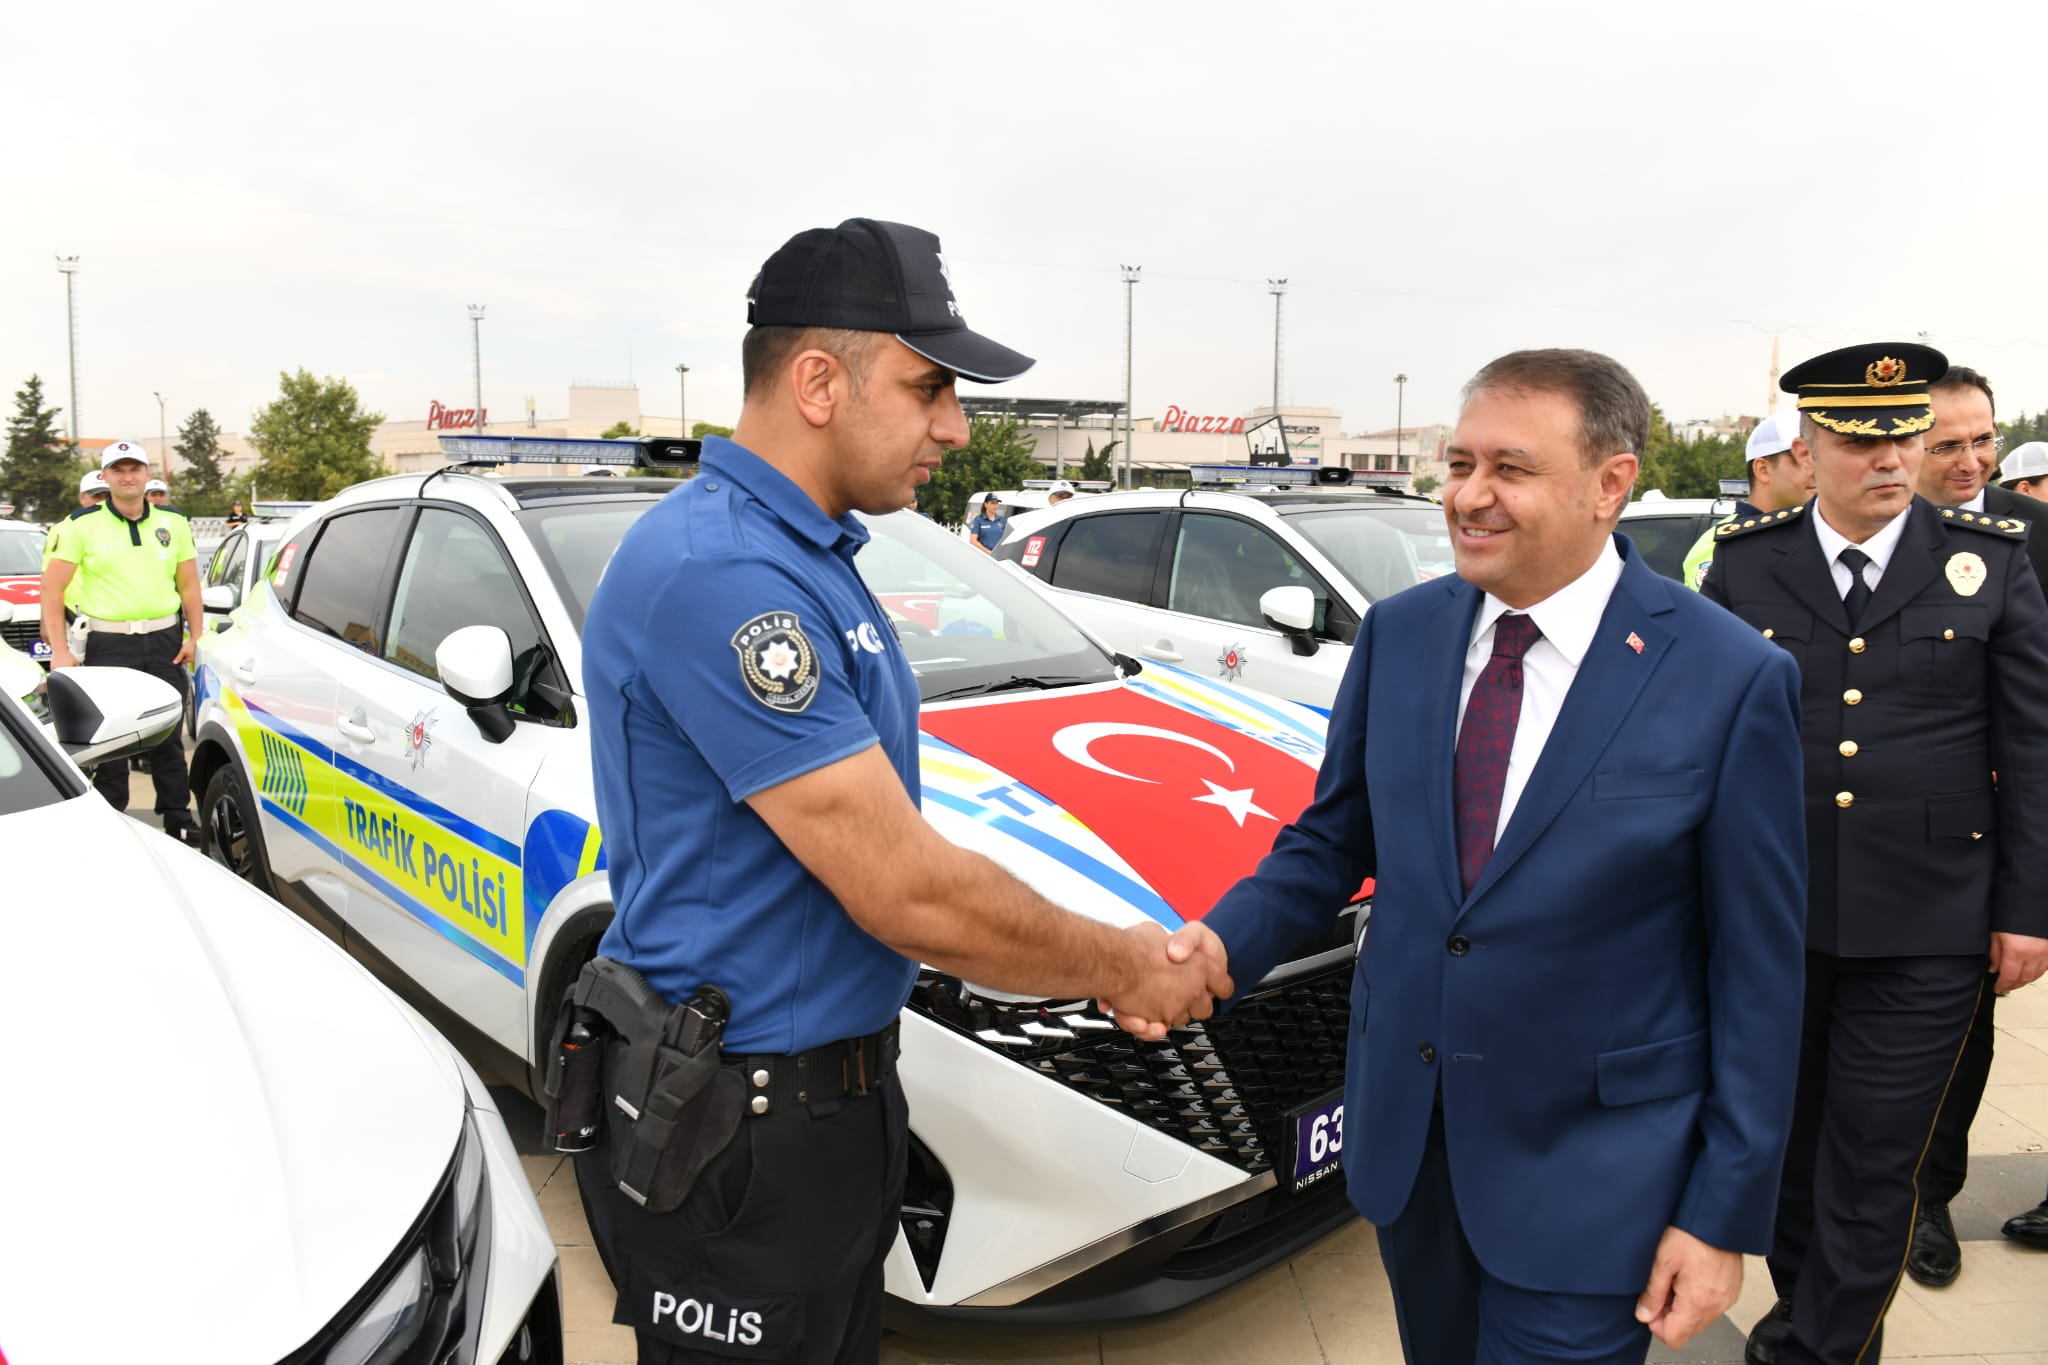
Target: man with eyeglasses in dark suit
[{"x": 1962, "y": 459}]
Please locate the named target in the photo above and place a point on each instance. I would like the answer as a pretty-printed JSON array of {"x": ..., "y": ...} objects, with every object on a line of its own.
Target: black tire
[{"x": 229, "y": 830}]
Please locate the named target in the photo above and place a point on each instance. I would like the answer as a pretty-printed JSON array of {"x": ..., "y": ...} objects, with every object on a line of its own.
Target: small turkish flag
[
  {"x": 1635, "y": 642},
  {"x": 1191, "y": 805}
]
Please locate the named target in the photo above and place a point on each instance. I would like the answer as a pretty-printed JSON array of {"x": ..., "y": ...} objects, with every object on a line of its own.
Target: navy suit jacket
[{"x": 1616, "y": 1032}]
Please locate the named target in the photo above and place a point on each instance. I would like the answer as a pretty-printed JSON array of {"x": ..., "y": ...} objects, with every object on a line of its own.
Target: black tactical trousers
[{"x": 151, "y": 653}]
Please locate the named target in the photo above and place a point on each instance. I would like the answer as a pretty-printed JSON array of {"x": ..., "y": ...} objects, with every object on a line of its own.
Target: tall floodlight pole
[
  {"x": 476, "y": 332},
  {"x": 68, "y": 267},
  {"x": 1400, "y": 392},
  {"x": 1130, "y": 282},
  {"x": 1278, "y": 289},
  {"x": 163, "y": 445},
  {"x": 682, "y": 400}
]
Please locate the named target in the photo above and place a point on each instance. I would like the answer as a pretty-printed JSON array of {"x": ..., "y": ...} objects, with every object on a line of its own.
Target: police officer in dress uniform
[
  {"x": 1776, "y": 481},
  {"x": 1922, "y": 639},
  {"x": 754, "y": 738},
  {"x": 132, "y": 574}
]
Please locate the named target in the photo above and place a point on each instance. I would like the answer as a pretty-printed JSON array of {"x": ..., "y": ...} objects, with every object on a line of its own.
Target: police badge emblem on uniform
[
  {"x": 778, "y": 663},
  {"x": 163, "y": 536}
]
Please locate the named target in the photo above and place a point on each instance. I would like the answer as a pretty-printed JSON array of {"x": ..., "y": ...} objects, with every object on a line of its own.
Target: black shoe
[
  {"x": 1772, "y": 1328},
  {"x": 2030, "y": 1227},
  {"x": 1936, "y": 1258},
  {"x": 184, "y": 834}
]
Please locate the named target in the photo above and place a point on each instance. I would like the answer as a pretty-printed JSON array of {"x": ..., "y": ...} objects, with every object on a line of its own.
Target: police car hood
[
  {"x": 1127, "y": 801},
  {"x": 218, "y": 1127},
  {"x": 21, "y": 599}
]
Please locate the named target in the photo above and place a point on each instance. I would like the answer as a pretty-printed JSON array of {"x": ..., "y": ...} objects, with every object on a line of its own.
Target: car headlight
[{"x": 429, "y": 1307}]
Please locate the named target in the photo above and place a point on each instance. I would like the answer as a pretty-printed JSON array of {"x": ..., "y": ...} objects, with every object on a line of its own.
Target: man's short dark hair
[
  {"x": 1963, "y": 377},
  {"x": 765, "y": 350},
  {"x": 1614, "y": 412}
]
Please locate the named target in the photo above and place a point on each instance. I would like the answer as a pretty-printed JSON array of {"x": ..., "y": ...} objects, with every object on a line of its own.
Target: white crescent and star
[{"x": 1073, "y": 741}]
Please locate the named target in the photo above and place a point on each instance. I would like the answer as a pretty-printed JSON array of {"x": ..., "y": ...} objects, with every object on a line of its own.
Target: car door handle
[
  {"x": 1163, "y": 651},
  {"x": 357, "y": 730},
  {"x": 246, "y": 672}
]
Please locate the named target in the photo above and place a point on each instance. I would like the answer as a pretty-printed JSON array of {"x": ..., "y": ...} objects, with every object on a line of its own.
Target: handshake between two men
[{"x": 1178, "y": 978}]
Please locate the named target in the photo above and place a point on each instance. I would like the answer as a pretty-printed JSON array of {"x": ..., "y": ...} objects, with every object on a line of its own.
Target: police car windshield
[
  {"x": 576, "y": 540},
  {"x": 21, "y": 552},
  {"x": 965, "y": 623},
  {"x": 1382, "y": 548}
]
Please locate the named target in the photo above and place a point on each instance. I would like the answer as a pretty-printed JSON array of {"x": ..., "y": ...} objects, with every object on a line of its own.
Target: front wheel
[{"x": 227, "y": 822}]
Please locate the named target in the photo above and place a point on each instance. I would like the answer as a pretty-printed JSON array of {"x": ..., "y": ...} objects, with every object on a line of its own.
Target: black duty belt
[{"x": 851, "y": 1066}]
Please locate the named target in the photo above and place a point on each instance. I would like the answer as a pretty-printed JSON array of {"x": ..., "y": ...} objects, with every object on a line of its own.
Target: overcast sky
[{"x": 255, "y": 188}]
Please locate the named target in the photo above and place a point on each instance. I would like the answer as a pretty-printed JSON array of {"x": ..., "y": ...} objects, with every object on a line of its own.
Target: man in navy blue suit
[{"x": 1577, "y": 1004}]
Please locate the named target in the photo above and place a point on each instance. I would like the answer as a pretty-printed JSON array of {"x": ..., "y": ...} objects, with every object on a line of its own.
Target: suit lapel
[
  {"x": 1911, "y": 568},
  {"x": 1802, "y": 571},
  {"x": 1609, "y": 679},
  {"x": 1448, "y": 639}
]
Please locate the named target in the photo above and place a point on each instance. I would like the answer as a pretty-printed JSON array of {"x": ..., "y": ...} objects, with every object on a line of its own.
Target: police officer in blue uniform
[
  {"x": 754, "y": 741},
  {"x": 1922, "y": 639}
]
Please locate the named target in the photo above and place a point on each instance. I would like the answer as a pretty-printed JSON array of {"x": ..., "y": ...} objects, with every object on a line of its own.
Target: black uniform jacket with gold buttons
[{"x": 1913, "y": 847}]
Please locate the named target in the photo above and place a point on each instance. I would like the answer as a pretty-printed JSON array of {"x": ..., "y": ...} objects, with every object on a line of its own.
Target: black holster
[{"x": 670, "y": 1106}]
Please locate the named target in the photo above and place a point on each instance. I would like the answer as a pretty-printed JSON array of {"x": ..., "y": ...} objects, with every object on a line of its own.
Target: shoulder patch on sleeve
[
  {"x": 2007, "y": 528},
  {"x": 778, "y": 663},
  {"x": 1744, "y": 525}
]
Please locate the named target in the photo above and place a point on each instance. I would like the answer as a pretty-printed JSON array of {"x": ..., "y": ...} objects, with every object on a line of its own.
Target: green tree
[
  {"x": 1427, "y": 483},
  {"x": 997, "y": 455},
  {"x": 1099, "y": 464},
  {"x": 40, "y": 471},
  {"x": 202, "y": 489},
  {"x": 618, "y": 431},
  {"x": 313, "y": 440},
  {"x": 1687, "y": 469},
  {"x": 702, "y": 429},
  {"x": 2023, "y": 428}
]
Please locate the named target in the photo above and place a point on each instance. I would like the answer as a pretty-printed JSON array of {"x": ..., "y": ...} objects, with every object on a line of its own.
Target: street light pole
[
  {"x": 1400, "y": 392},
  {"x": 68, "y": 267},
  {"x": 1278, "y": 289},
  {"x": 1130, "y": 281},
  {"x": 682, "y": 401},
  {"x": 163, "y": 445},
  {"x": 476, "y": 331}
]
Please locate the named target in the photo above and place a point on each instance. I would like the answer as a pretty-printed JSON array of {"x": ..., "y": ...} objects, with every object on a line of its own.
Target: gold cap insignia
[
  {"x": 1884, "y": 372},
  {"x": 1965, "y": 573}
]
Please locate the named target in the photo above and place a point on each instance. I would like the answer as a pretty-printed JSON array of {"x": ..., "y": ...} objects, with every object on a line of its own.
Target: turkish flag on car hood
[
  {"x": 19, "y": 592},
  {"x": 1190, "y": 804}
]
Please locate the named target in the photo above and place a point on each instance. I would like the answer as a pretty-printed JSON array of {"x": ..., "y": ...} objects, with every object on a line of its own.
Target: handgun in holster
[{"x": 670, "y": 1107}]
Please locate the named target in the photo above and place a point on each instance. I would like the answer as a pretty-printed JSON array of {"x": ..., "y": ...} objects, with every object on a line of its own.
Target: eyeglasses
[{"x": 1981, "y": 448}]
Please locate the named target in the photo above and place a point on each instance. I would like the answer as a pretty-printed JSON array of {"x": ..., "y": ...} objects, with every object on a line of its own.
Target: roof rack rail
[{"x": 638, "y": 452}]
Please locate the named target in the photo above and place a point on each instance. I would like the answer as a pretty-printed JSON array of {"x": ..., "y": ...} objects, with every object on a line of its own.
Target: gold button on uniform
[
  {"x": 1856, "y": 645},
  {"x": 1853, "y": 696},
  {"x": 1768, "y": 632},
  {"x": 1848, "y": 748},
  {"x": 1948, "y": 635},
  {"x": 1845, "y": 799}
]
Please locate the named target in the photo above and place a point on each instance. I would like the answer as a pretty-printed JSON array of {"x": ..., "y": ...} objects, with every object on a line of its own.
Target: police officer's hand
[
  {"x": 61, "y": 656},
  {"x": 185, "y": 653},
  {"x": 1184, "y": 977},
  {"x": 2018, "y": 959}
]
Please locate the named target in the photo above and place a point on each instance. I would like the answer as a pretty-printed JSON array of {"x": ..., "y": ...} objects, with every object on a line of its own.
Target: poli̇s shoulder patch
[{"x": 777, "y": 661}]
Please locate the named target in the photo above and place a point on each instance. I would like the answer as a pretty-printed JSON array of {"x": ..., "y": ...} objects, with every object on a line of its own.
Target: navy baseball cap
[{"x": 870, "y": 276}]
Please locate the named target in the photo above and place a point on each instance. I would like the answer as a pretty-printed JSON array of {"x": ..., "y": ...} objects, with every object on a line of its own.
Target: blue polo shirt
[
  {"x": 730, "y": 648},
  {"x": 988, "y": 530}
]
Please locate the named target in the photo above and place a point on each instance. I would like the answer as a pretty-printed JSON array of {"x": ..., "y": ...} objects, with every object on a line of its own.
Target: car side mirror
[
  {"x": 107, "y": 714},
  {"x": 475, "y": 664},
  {"x": 222, "y": 597},
  {"x": 1292, "y": 611}
]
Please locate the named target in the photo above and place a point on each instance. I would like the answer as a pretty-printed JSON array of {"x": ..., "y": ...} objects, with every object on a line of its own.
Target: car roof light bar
[
  {"x": 640, "y": 452},
  {"x": 1082, "y": 485},
  {"x": 1296, "y": 475}
]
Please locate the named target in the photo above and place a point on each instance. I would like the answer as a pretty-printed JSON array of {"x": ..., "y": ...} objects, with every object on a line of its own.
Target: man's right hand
[
  {"x": 62, "y": 657},
  {"x": 1190, "y": 975}
]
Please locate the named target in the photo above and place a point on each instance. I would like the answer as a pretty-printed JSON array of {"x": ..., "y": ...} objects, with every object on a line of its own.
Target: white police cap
[
  {"x": 2029, "y": 461},
  {"x": 1772, "y": 436}
]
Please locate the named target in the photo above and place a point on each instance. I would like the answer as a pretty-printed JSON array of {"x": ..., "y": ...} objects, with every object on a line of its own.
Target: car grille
[
  {"x": 22, "y": 635},
  {"x": 1225, "y": 1086}
]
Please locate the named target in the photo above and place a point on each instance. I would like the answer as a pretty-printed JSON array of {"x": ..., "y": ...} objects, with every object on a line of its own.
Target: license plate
[
  {"x": 39, "y": 650},
  {"x": 1318, "y": 1141}
]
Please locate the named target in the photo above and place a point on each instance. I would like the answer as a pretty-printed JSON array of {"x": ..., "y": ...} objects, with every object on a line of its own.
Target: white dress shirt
[
  {"x": 1975, "y": 504},
  {"x": 1568, "y": 618},
  {"x": 1879, "y": 547}
]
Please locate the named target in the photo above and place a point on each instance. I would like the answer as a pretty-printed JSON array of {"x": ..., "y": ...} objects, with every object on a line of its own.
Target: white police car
[
  {"x": 21, "y": 587},
  {"x": 224, "y": 1141},
  {"x": 423, "y": 791},
  {"x": 1259, "y": 583}
]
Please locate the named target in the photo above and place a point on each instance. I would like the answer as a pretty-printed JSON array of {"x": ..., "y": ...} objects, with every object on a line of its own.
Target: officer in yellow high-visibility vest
[
  {"x": 136, "y": 576},
  {"x": 1776, "y": 481}
]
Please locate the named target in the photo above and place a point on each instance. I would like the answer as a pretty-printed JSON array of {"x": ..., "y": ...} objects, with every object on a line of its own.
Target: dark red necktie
[{"x": 1484, "y": 742}]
